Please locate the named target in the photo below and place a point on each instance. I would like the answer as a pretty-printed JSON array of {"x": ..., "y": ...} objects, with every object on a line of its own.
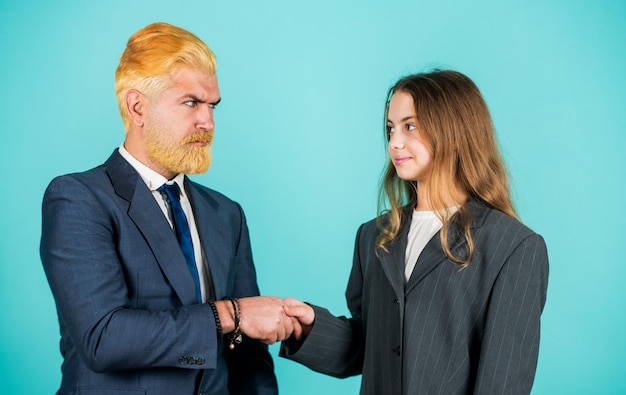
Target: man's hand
[{"x": 260, "y": 317}]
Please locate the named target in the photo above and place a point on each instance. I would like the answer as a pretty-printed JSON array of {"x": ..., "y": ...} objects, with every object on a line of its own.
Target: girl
[{"x": 447, "y": 286}]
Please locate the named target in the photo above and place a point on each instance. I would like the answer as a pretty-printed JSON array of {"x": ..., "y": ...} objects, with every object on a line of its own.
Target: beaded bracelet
[
  {"x": 218, "y": 323},
  {"x": 235, "y": 337}
]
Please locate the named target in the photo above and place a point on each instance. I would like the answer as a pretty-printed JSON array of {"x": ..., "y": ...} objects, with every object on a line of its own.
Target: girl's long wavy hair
[{"x": 455, "y": 124}]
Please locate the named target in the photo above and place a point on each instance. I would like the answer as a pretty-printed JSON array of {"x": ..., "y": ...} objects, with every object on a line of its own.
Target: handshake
[{"x": 267, "y": 318}]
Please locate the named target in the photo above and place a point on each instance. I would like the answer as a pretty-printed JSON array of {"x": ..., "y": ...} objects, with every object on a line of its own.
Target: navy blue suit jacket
[{"x": 126, "y": 301}]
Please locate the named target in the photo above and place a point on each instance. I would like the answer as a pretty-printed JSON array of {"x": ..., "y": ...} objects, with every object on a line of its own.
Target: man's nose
[{"x": 205, "y": 118}]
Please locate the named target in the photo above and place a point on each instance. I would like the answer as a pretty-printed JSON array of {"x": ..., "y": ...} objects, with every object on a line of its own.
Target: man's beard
[{"x": 179, "y": 156}]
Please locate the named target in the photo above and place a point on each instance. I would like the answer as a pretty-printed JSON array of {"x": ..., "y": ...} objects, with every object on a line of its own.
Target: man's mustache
[{"x": 199, "y": 137}]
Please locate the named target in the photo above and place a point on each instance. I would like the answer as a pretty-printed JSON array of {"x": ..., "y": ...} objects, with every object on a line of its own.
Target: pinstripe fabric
[
  {"x": 444, "y": 331},
  {"x": 128, "y": 313}
]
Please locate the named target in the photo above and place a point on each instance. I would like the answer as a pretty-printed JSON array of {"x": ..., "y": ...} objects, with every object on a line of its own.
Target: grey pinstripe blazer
[{"x": 445, "y": 331}]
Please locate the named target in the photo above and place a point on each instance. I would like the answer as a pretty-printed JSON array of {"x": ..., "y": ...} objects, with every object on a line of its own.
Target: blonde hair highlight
[
  {"x": 152, "y": 54},
  {"x": 456, "y": 125}
]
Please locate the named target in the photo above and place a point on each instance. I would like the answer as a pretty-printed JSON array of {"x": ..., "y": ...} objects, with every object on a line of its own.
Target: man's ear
[{"x": 135, "y": 107}]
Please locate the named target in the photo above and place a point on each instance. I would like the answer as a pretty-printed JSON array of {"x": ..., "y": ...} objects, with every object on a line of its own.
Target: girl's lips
[{"x": 398, "y": 160}]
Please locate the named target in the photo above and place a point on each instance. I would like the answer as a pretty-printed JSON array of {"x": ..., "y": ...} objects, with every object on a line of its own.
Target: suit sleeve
[
  {"x": 510, "y": 345},
  {"x": 335, "y": 346},
  {"x": 82, "y": 263},
  {"x": 250, "y": 366}
]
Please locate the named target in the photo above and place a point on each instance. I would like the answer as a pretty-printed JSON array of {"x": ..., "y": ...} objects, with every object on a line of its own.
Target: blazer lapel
[
  {"x": 432, "y": 255},
  {"x": 149, "y": 219},
  {"x": 210, "y": 226},
  {"x": 393, "y": 261}
]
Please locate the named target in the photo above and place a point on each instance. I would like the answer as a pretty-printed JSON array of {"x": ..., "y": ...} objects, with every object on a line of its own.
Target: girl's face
[{"x": 407, "y": 149}]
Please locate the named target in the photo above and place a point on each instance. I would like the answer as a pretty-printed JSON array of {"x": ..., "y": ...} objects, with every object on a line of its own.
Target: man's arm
[
  {"x": 82, "y": 260},
  {"x": 250, "y": 366}
]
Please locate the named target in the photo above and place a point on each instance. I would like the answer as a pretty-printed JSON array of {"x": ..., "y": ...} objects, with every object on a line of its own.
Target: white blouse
[{"x": 424, "y": 225}]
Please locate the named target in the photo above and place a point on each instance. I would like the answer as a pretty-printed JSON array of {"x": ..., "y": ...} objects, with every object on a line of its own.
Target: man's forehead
[
  {"x": 193, "y": 82},
  {"x": 188, "y": 73}
]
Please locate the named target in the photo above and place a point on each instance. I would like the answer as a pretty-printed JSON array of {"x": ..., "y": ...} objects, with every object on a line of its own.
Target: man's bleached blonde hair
[{"x": 152, "y": 54}]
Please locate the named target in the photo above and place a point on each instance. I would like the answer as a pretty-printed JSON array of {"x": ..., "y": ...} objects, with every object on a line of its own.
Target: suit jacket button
[
  {"x": 183, "y": 360},
  {"x": 201, "y": 361}
]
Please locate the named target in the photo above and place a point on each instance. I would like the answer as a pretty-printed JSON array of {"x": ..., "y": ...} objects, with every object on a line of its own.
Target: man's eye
[{"x": 191, "y": 103}]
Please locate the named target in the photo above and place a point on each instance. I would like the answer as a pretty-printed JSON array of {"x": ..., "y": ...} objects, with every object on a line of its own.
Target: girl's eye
[{"x": 410, "y": 127}]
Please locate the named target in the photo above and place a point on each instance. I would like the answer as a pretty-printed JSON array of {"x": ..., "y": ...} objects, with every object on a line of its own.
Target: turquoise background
[{"x": 299, "y": 144}]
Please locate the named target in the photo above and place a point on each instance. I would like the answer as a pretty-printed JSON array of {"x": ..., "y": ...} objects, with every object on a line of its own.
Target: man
[{"x": 152, "y": 274}]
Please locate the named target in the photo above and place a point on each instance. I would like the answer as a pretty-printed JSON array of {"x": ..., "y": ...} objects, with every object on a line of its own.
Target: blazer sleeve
[
  {"x": 88, "y": 280},
  {"x": 335, "y": 346},
  {"x": 510, "y": 346}
]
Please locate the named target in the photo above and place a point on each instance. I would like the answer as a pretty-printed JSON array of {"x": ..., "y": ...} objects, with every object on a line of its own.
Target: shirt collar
[{"x": 152, "y": 179}]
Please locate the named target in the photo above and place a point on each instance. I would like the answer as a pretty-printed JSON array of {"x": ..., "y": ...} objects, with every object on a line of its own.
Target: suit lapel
[
  {"x": 149, "y": 219},
  {"x": 210, "y": 226}
]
